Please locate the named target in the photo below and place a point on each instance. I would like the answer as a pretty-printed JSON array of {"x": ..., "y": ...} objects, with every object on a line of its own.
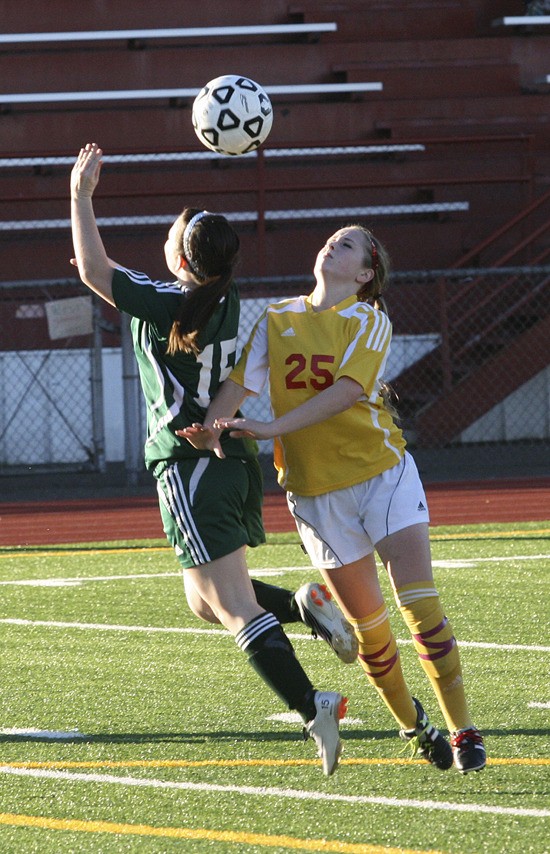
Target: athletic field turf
[{"x": 128, "y": 725}]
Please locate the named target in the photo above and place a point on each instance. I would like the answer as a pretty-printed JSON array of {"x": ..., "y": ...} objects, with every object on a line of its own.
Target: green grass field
[{"x": 128, "y": 725}]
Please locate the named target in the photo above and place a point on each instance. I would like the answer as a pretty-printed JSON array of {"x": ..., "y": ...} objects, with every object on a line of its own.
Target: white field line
[
  {"x": 53, "y": 734},
  {"x": 60, "y": 581},
  {"x": 107, "y": 627},
  {"x": 467, "y": 563},
  {"x": 75, "y": 581},
  {"x": 271, "y": 791}
]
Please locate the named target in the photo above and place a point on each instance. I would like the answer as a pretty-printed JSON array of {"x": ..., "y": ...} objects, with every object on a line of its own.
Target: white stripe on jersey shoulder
[
  {"x": 367, "y": 315},
  {"x": 297, "y": 305},
  {"x": 142, "y": 279},
  {"x": 380, "y": 333},
  {"x": 359, "y": 309}
]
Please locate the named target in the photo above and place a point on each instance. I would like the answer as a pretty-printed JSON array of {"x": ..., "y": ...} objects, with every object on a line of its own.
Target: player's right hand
[{"x": 203, "y": 438}]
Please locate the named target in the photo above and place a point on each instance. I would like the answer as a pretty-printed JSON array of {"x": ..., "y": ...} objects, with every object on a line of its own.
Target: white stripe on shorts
[{"x": 182, "y": 513}]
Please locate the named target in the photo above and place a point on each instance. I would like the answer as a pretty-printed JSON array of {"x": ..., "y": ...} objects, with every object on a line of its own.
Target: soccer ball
[{"x": 232, "y": 115}]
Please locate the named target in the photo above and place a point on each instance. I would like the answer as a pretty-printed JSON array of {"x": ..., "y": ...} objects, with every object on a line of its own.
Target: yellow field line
[
  {"x": 237, "y": 838},
  {"x": 491, "y": 535},
  {"x": 243, "y": 763},
  {"x": 76, "y": 551}
]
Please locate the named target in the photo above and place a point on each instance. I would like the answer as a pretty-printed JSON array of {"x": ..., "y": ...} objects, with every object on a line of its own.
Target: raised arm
[{"x": 94, "y": 267}]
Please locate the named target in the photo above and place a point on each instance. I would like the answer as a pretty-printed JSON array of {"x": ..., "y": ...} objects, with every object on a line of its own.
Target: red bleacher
[{"x": 463, "y": 88}]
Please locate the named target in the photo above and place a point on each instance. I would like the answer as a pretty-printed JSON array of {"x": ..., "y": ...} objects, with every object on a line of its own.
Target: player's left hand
[{"x": 86, "y": 171}]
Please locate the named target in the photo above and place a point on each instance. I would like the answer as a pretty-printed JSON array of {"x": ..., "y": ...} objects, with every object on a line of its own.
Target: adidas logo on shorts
[{"x": 420, "y": 506}]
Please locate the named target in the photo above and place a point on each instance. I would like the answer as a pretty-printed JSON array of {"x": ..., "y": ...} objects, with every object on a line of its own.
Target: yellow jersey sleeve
[{"x": 252, "y": 368}]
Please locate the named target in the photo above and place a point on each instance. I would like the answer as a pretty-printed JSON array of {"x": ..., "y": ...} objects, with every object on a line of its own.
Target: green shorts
[{"x": 211, "y": 507}]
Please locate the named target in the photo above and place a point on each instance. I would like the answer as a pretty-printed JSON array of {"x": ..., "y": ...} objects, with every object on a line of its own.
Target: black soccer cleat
[
  {"x": 468, "y": 750},
  {"x": 427, "y": 741}
]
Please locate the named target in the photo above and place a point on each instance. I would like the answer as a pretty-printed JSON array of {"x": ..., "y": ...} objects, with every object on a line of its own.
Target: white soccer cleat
[
  {"x": 324, "y": 729},
  {"x": 324, "y": 618}
]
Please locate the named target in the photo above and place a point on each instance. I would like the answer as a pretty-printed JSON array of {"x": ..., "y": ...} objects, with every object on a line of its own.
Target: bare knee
[
  {"x": 197, "y": 604},
  {"x": 203, "y": 611}
]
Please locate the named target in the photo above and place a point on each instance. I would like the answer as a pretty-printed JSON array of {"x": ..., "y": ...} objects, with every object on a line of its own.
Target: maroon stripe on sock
[
  {"x": 443, "y": 647},
  {"x": 373, "y": 661}
]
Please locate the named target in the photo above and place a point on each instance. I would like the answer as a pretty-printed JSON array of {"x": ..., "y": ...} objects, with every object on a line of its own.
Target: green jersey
[{"x": 178, "y": 388}]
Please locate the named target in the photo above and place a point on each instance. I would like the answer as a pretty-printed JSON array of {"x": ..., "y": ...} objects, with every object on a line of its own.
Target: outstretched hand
[
  {"x": 203, "y": 438},
  {"x": 86, "y": 171},
  {"x": 245, "y": 428}
]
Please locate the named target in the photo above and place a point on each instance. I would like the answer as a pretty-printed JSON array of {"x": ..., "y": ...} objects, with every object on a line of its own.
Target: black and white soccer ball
[{"x": 232, "y": 115}]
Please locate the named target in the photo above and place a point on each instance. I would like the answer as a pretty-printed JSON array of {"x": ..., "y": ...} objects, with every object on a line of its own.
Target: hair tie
[
  {"x": 187, "y": 236},
  {"x": 373, "y": 254}
]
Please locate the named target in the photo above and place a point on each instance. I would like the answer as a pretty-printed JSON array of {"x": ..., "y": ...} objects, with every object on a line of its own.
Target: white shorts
[{"x": 343, "y": 526}]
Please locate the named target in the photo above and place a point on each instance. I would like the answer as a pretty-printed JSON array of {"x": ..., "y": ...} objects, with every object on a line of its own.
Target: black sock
[
  {"x": 272, "y": 656},
  {"x": 277, "y": 601}
]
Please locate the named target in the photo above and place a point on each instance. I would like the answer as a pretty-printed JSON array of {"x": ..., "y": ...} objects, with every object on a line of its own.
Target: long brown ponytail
[{"x": 210, "y": 247}]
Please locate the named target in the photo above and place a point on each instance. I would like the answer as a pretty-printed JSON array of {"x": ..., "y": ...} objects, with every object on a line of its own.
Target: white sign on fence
[{"x": 69, "y": 317}]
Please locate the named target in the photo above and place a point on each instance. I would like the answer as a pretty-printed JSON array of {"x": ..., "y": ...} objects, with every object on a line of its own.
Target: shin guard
[
  {"x": 272, "y": 656},
  {"x": 379, "y": 658},
  {"x": 437, "y": 650}
]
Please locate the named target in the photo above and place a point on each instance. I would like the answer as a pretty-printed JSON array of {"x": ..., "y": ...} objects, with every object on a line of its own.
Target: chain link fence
[
  {"x": 469, "y": 366},
  {"x": 51, "y": 412}
]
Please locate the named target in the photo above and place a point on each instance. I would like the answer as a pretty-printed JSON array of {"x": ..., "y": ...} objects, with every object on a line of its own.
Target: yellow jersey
[{"x": 304, "y": 351}]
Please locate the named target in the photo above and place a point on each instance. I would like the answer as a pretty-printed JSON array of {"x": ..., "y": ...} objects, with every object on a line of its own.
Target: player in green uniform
[
  {"x": 352, "y": 487},
  {"x": 184, "y": 336}
]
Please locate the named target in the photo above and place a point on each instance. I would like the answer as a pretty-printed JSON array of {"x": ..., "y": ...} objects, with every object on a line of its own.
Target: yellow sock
[
  {"x": 379, "y": 658},
  {"x": 436, "y": 647}
]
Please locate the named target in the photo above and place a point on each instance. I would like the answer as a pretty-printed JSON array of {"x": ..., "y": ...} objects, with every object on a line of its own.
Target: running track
[{"x": 92, "y": 520}]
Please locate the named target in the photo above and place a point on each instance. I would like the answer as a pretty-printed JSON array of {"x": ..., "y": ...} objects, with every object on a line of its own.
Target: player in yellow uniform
[{"x": 352, "y": 487}]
